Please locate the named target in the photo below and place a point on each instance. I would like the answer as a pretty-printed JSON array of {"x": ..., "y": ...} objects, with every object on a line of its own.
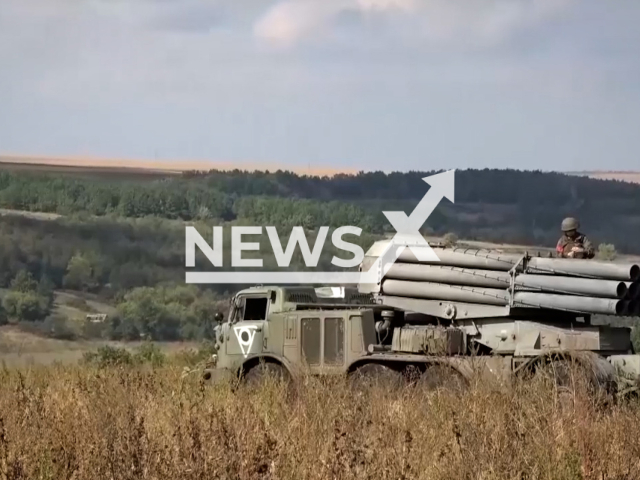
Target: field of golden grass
[
  {"x": 631, "y": 177},
  {"x": 114, "y": 166},
  {"x": 83, "y": 422},
  {"x": 118, "y": 167}
]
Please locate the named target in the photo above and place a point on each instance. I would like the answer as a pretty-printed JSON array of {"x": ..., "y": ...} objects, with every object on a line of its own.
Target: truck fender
[{"x": 256, "y": 359}]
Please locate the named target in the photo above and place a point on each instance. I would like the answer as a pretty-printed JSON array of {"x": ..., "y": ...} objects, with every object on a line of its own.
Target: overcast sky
[{"x": 370, "y": 84}]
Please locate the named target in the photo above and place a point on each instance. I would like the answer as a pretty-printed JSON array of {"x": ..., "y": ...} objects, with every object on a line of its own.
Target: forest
[
  {"x": 122, "y": 238},
  {"x": 498, "y": 205}
]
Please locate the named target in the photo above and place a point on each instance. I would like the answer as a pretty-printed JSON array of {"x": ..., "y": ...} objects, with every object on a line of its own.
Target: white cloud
[
  {"x": 471, "y": 22},
  {"x": 484, "y": 21},
  {"x": 288, "y": 22},
  {"x": 382, "y": 5}
]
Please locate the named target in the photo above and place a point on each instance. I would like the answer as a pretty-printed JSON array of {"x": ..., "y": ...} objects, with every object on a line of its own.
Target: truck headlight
[{"x": 212, "y": 362}]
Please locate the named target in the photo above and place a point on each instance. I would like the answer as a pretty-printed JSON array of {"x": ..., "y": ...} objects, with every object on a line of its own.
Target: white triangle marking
[{"x": 245, "y": 345}]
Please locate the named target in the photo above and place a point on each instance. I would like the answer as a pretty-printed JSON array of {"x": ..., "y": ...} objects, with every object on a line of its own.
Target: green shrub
[
  {"x": 606, "y": 252},
  {"x": 54, "y": 326},
  {"x": 450, "y": 239},
  {"x": 107, "y": 356},
  {"x": 25, "y": 306},
  {"x": 150, "y": 353}
]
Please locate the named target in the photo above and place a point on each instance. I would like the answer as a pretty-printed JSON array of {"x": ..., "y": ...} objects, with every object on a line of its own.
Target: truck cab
[{"x": 293, "y": 329}]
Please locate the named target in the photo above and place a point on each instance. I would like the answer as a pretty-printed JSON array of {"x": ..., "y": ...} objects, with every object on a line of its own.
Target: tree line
[{"x": 494, "y": 205}]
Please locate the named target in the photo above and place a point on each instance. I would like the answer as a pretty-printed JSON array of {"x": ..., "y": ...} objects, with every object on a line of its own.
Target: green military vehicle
[{"x": 474, "y": 312}]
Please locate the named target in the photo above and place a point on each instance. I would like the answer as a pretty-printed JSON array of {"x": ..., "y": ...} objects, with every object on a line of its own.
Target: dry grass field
[
  {"x": 137, "y": 167},
  {"x": 82, "y": 422},
  {"x": 70, "y": 165},
  {"x": 631, "y": 177}
]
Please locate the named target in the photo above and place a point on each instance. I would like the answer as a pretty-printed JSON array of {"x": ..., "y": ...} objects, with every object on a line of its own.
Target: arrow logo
[{"x": 408, "y": 227}]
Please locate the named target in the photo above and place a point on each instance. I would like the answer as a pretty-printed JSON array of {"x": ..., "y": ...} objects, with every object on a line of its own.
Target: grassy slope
[
  {"x": 19, "y": 348},
  {"x": 76, "y": 306}
]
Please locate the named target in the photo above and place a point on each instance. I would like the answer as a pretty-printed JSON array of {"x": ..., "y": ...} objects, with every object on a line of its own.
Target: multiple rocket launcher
[{"x": 485, "y": 277}]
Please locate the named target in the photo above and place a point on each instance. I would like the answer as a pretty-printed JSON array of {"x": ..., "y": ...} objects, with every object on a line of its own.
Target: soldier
[{"x": 573, "y": 244}]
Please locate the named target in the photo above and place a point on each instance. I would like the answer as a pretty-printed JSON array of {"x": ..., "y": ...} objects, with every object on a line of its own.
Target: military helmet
[{"x": 570, "y": 223}]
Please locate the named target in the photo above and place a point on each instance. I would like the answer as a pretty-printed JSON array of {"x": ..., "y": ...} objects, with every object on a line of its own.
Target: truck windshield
[{"x": 255, "y": 308}]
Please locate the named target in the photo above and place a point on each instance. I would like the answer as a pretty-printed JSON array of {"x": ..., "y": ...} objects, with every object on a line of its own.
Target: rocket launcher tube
[
  {"x": 487, "y": 260},
  {"x": 447, "y": 274},
  {"x": 590, "y": 305},
  {"x": 633, "y": 290},
  {"x": 501, "y": 297},
  {"x": 452, "y": 293},
  {"x": 495, "y": 279},
  {"x": 586, "y": 268},
  {"x": 467, "y": 258}
]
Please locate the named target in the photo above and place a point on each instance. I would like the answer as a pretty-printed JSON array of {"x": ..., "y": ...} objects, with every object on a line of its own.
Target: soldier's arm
[{"x": 559, "y": 249}]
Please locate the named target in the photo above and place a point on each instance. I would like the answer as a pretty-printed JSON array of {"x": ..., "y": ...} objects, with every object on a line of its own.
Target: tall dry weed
[{"x": 81, "y": 422}]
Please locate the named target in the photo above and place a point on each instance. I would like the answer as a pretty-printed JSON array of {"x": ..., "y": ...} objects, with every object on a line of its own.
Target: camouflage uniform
[{"x": 566, "y": 244}]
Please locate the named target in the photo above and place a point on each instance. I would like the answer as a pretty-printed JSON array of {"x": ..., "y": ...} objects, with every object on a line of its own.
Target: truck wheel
[
  {"x": 263, "y": 371},
  {"x": 566, "y": 376},
  {"x": 563, "y": 381},
  {"x": 437, "y": 377},
  {"x": 375, "y": 374}
]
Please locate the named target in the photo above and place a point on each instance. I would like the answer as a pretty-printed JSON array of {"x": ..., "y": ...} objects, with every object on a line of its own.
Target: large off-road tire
[
  {"x": 594, "y": 376},
  {"x": 442, "y": 377},
  {"x": 375, "y": 374},
  {"x": 563, "y": 380},
  {"x": 266, "y": 371}
]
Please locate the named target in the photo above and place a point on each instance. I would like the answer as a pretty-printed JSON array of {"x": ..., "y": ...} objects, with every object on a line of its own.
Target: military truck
[{"x": 472, "y": 312}]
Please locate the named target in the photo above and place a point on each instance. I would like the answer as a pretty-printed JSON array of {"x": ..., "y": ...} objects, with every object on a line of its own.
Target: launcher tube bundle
[{"x": 491, "y": 278}]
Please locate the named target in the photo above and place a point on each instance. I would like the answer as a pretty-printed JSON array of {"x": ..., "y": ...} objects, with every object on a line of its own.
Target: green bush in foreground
[
  {"x": 108, "y": 356},
  {"x": 606, "y": 252},
  {"x": 148, "y": 353}
]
